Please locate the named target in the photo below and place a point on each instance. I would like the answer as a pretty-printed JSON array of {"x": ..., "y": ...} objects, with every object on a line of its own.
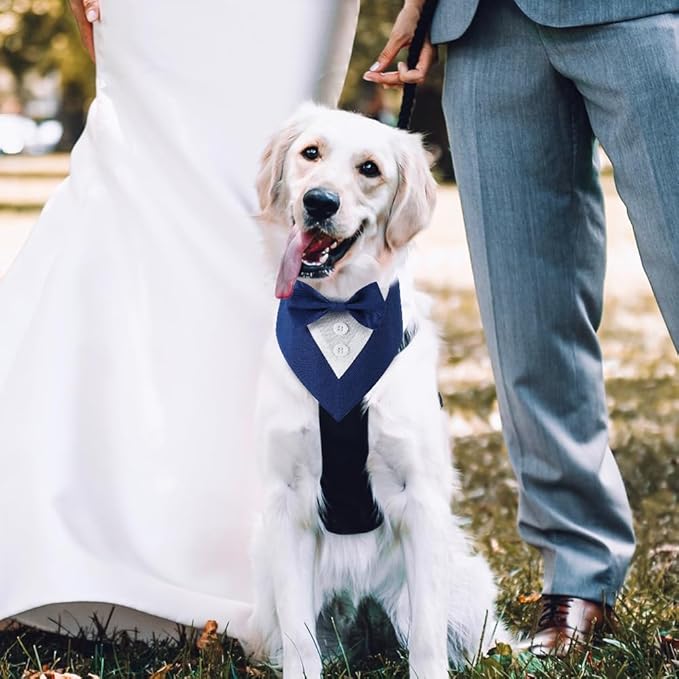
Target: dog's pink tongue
[{"x": 298, "y": 241}]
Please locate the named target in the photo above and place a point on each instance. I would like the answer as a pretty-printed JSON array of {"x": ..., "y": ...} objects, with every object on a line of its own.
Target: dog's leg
[
  {"x": 473, "y": 626},
  {"x": 424, "y": 533},
  {"x": 263, "y": 639},
  {"x": 284, "y": 549},
  {"x": 283, "y": 625},
  {"x": 396, "y": 604},
  {"x": 292, "y": 572}
]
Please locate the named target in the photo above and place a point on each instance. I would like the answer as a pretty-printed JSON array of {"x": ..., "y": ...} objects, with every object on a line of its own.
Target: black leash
[{"x": 408, "y": 101}]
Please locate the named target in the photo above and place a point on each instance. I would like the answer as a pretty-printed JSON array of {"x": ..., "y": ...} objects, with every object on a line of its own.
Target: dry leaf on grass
[
  {"x": 496, "y": 547},
  {"x": 531, "y": 598},
  {"x": 208, "y": 637},
  {"x": 162, "y": 672}
]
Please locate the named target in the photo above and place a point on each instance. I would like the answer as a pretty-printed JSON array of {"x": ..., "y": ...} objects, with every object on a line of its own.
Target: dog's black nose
[{"x": 321, "y": 203}]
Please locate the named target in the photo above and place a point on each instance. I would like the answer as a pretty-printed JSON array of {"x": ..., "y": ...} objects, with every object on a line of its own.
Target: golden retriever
[{"x": 348, "y": 194}]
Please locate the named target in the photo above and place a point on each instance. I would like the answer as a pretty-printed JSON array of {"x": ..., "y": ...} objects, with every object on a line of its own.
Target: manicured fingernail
[
  {"x": 91, "y": 15},
  {"x": 375, "y": 66}
]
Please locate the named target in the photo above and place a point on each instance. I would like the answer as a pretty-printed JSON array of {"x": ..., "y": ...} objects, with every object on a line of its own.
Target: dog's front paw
[
  {"x": 298, "y": 668},
  {"x": 428, "y": 667},
  {"x": 301, "y": 659}
]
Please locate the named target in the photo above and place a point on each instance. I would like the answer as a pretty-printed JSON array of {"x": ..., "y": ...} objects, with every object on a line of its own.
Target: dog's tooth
[
  {"x": 324, "y": 258},
  {"x": 334, "y": 245}
]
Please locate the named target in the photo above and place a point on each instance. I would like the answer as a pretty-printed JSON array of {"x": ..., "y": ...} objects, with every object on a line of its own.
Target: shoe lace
[{"x": 554, "y": 612}]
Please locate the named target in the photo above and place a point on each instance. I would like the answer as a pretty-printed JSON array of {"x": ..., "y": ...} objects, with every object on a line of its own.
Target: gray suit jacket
[{"x": 453, "y": 17}]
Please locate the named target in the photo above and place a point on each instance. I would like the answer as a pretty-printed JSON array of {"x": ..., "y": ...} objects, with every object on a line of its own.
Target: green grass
[{"x": 644, "y": 404}]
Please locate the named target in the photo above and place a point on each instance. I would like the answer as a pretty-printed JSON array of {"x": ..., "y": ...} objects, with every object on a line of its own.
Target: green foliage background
[{"x": 42, "y": 35}]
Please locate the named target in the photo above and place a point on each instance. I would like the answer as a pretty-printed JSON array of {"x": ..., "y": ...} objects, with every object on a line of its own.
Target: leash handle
[{"x": 408, "y": 101}]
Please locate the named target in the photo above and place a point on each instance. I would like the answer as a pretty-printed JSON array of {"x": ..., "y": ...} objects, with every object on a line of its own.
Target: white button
[
  {"x": 340, "y": 328},
  {"x": 340, "y": 350}
]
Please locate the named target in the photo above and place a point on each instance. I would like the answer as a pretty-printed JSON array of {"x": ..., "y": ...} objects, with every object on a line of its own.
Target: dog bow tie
[
  {"x": 308, "y": 305},
  {"x": 338, "y": 395}
]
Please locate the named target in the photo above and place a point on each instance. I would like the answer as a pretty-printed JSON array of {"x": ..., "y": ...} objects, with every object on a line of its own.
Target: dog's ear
[
  {"x": 269, "y": 183},
  {"x": 416, "y": 193}
]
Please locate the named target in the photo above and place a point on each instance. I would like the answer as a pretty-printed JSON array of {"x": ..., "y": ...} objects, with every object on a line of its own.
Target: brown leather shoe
[{"x": 566, "y": 622}]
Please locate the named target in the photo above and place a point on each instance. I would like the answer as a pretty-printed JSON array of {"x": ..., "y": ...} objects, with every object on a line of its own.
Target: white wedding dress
[{"x": 132, "y": 321}]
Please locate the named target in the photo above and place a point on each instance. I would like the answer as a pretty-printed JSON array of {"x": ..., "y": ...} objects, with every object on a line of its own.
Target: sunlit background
[{"x": 47, "y": 80}]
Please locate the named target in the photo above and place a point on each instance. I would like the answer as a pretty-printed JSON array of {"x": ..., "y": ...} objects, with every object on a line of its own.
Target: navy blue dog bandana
[
  {"x": 348, "y": 503},
  {"x": 338, "y": 395}
]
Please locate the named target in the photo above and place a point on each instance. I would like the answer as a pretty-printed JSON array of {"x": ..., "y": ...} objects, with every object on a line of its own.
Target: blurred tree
[{"x": 41, "y": 36}]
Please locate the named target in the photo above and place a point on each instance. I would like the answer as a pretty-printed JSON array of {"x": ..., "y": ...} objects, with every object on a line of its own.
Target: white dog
[{"x": 350, "y": 193}]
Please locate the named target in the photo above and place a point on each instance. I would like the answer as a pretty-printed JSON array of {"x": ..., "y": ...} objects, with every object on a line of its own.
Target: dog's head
[{"x": 351, "y": 191}]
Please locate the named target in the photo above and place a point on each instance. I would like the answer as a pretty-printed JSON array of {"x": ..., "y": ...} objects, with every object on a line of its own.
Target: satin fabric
[{"x": 132, "y": 322}]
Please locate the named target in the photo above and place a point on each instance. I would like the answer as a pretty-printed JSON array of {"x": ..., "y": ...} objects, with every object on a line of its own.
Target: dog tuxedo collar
[{"x": 339, "y": 349}]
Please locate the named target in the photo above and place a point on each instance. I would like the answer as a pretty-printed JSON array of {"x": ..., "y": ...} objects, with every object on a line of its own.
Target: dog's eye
[
  {"x": 311, "y": 153},
  {"x": 369, "y": 169}
]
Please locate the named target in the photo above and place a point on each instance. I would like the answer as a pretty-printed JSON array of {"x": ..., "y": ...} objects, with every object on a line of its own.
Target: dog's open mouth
[
  {"x": 310, "y": 254},
  {"x": 323, "y": 252}
]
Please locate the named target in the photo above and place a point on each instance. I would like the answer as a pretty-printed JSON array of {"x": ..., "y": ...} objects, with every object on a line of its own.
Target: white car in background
[{"x": 19, "y": 134}]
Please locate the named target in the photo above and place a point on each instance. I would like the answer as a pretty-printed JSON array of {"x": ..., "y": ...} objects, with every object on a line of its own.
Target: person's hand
[
  {"x": 86, "y": 12},
  {"x": 401, "y": 36}
]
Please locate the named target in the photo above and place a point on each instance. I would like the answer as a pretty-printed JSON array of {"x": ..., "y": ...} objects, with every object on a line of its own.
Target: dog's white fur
[{"x": 418, "y": 564}]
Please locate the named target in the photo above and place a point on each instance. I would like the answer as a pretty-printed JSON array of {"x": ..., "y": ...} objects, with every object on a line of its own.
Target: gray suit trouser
[{"x": 523, "y": 104}]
